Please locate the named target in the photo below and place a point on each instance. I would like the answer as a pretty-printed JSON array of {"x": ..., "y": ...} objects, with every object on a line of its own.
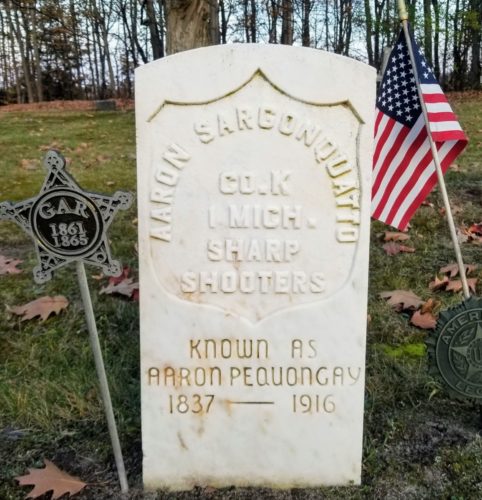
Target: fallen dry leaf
[
  {"x": 453, "y": 269},
  {"x": 9, "y": 265},
  {"x": 437, "y": 284},
  {"x": 102, "y": 158},
  {"x": 393, "y": 248},
  {"x": 429, "y": 306},
  {"x": 456, "y": 285},
  {"x": 394, "y": 236},
  {"x": 126, "y": 287},
  {"x": 472, "y": 234},
  {"x": 427, "y": 320},
  {"x": 43, "y": 307},
  {"x": 29, "y": 164},
  {"x": 81, "y": 148},
  {"x": 401, "y": 300},
  {"x": 476, "y": 229},
  {"x": 51, "y": 478},
  {"x": 122, "y": 285},
  {"x": 114, "y": 280}
]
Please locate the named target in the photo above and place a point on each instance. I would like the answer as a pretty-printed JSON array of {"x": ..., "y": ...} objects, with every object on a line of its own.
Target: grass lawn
[{"x": 419, "y": 443}]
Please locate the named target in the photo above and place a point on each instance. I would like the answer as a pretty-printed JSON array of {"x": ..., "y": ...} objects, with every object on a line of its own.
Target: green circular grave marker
[{"x": 455, "y": 349}]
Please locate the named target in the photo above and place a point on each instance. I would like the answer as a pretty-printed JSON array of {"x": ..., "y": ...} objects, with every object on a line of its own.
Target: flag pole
[{"x": 448, "y": 211}]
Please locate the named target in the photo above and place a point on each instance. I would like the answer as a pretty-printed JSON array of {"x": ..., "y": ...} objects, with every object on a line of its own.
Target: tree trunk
[
  {"x": 23, "y": 23},
  {"x": 14, "y": 59},
  {"x": 287, "y": 23},
  {"x": 378, "y": 45},
  {"x": 339, "y": 4},
  {"x": 369, "y": 29},
  {"x": 306, "y": 6},
  {"x": 135, "y": 36},
  {"x": 162, "y": 30},
  {"x": 249, "y": 20},
  {"x": 446, "y": 45},
  {"x": 253, "y": 21},
  {"x": 427, "y": 30},
  {"x": 272, "y": 8},
  {"x": 157, "y": 48},
  {"x": 475, "y": 29},
  {"x": 436, "y": 39},
  {"x": 456, "y": 53},
  {"x": 112, "y": 85},
  {"x": 327, "y": 27},
  {"x": 224, "y": 22},
  {"x": 15, "y": 29},
  {"x": 6, "y": 75},
  {"x": 36, "y": 52},
  {"x": 127, "y": 65},
  {"x": 95, "y": 62},
  {"x": 347, "y": 15},
  {"x": 79, "y": 67},
  {"x": 190, "y": 24}
]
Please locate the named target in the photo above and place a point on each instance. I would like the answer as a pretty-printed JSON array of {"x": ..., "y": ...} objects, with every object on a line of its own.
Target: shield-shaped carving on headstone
[{"x": 254, "y": 193}]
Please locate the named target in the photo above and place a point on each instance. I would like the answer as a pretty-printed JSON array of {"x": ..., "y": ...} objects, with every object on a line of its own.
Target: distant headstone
[
  {"x": 254, "y": 170},
  {"x": 105, "y": 105}
]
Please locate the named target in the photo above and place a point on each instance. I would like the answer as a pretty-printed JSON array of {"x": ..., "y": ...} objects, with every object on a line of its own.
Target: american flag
[{"x": 403, "y": 168}]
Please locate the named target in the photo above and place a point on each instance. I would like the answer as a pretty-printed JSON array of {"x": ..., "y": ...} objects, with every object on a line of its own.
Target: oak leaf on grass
[
  {"x": 453, "y": 269},
  {"x": 438, "y": 284},
  {"x": 126, "y": 287},
  {"x": 402, "y": 300},
  {"x": 429, "y": 306},
  {"x": 426, "y": 321},
  {"x": 50, "y": 478},
  {"x": 456, "y": 285},
  {"x": 395, "y": 236},
  {"x": 122, "y": 285},
  {"x": 43, "y": 307},
  {"x": 393, "y": 248},
  {"x": 476, "y": 229},
  {"x": 472, "y": 234},
  {"x": 9, "y": 265}
]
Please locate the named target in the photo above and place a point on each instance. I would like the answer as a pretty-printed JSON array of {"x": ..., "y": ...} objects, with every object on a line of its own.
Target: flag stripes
[{"x": 403, "y": 168}]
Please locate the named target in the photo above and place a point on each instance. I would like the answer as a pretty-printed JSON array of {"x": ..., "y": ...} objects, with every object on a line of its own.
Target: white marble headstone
[{"x": 253, "y": 188}]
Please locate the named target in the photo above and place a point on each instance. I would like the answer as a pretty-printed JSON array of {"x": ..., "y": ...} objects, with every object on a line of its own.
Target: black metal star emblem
[{"x": 67, "y": 223}]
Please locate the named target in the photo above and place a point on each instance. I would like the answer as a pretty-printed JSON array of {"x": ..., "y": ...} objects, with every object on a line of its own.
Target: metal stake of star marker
[{"x": 67, "y": 225}]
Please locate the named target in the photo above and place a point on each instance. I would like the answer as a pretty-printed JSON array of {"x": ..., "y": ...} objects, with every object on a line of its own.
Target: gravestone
[
  {"x": 105, "y": 105},
  {"x": 254, "y": 170}
]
